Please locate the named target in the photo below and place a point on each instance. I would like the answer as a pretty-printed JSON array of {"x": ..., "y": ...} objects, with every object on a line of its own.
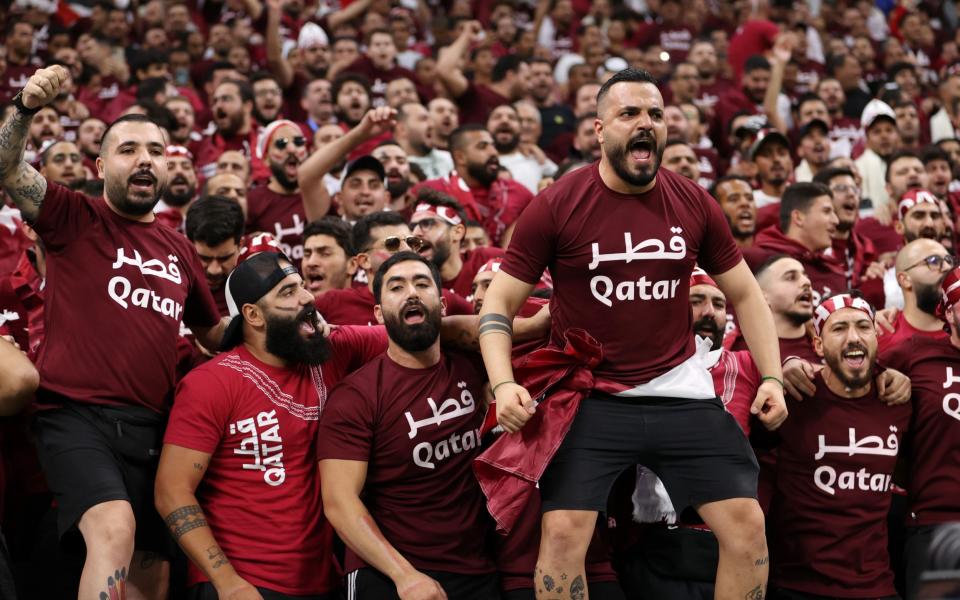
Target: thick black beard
[
  {"x": 617, "y": 155},
  {"x": 137, "y": 207},
  {"x": 928, "y": 297},
  {"x": 285, "y": 341},
  {"x": 479, "y": 172},
  {"x": 413, "y": 338},
  {"x": 834, "y": 362},
  {"x": 713, "y": 332},
  {"x": 178, "y": 200},
  {"x": 507, "y": 148},
  {"x": 281, "y": 176},
  {"x": 399, "y": 188},
  {"x": 798, "y": 319},
  {"x": 263, "y": 119}
]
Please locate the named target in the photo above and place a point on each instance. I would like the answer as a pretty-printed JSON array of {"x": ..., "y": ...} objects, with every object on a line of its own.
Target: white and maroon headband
[
  {"x": 492, "y": 265},
  {"x": 914, "y": 197},
  {"x": 446, "y": 213},
  {"x": 175, "y": 151},
  {"x": 700, "y": 277},
  {"x": 261, "y": 242},
  {"x": 950, "y": 288},
  {"x": 832, "y": 305}
]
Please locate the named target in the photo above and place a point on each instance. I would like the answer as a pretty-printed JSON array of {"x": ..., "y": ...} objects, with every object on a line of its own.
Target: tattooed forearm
[
  {"x": 21, "y": 181},
  {"x": 216, "y": 557},
  {"x": 755, "y": 594},
  {"x": 185, "y": 519}
]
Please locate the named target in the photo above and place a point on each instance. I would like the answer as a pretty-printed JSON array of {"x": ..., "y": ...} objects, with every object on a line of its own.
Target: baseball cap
[
  {"x": 814, "y": 124},
  {"x": 767, "y": 136},
  {"x": 251, "y": 280},
  {"x": 876, "y": 109},
  {"x": 364, "y": 163}
]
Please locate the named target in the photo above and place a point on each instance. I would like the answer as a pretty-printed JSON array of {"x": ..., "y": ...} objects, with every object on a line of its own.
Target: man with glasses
[
  {"x": 438, "y": 221},
  {"x": 376, "y": 237},
  {"x": 921, "y": 267},
  {"x": 267, "y": 98},
  {"x": 277, "y": 208}
]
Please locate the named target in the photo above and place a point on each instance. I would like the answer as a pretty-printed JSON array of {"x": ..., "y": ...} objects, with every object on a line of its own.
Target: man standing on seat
[{"x": 621, "y": 239}]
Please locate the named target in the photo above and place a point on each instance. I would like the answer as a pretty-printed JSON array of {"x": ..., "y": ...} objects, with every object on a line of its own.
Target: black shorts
[
  {"x": 370, "y": 584},
  {"x": 94, "y": 454},
  {"x": 694, "y": 446},
  {"x": 782, "y": 594},
  {"x": 206, "y": 591}
]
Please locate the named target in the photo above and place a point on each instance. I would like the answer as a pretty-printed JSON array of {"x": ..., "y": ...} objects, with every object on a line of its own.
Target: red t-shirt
[
  {"x": 829, "y": 512},
  {"x": 21, "y": 306},
  {"x": 354, "y": 306},
  {"x": 675, "y": 39},
  {"x": 15, "y": 79},
  {"x": 420, "y": 488},
  {"x": 280, "y": 215},
  {"x": 736, "y": 380},
  {"x": 933, "y": 483},
  {"x": 710, "y": 95},
  {"x": 902, "y": 332},
  {"x": 259, "y": 423},
  {"x": 136, "y": 280},
  {"x": 477, "y": 102},
  {"x": 621, "y": 266},
  {"x": 753, "y": 37},
  {"x": 462, "y": 284}
]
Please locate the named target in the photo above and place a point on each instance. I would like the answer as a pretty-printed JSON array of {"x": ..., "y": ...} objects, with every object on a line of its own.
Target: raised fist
[{"x": 44, "y": 86}]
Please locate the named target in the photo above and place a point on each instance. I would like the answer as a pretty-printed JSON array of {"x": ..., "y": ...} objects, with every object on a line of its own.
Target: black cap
[
  {"x": 814, "y": 124},
  {"x": 251, "y": 280},
  {"x": 363, "y": 163},
  {"x": 765, "y": 137}
]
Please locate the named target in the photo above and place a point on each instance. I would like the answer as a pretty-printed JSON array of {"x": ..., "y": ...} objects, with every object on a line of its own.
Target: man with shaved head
[
  {"x": 921, "y": 266},
  {"x": 105, "y": 398},
  {"x": 621, "y": 238}
]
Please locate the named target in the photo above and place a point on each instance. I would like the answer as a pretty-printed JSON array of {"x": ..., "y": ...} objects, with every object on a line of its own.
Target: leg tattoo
[
  {"x": 116, "y": 586},
  {"x": 755, "y": 594},
  {"x": 577, "y": 588}
]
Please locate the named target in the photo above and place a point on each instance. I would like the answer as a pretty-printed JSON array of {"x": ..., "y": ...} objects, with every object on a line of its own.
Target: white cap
[
  {"x": 873, "y": 111},
  {"x": 312, "y": 34}
]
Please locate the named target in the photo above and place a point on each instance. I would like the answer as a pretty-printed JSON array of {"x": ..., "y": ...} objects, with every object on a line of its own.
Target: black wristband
[{"x": 18, "y": 104}]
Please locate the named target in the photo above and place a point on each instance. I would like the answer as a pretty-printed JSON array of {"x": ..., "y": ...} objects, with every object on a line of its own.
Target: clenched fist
[{"x": 44, "y": 86}]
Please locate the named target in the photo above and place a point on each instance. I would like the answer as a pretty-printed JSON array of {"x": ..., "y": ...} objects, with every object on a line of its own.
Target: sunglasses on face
[
  {"x": 935, "y": 262},
  {"x": 393, "y": 243},
  {"x": 298, "y": 141}
]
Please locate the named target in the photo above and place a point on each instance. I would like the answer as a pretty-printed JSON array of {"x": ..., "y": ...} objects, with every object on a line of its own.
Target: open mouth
[
  {"x": 805, "y": 298},
  {"x": 641, "y": 149},
  {"x": 854, "y": 357},
  {"x": 745, "y": 217},
  {"x": 309, "y": 323},
  {"x": 143, "y": 181},
  {"x": 414, "y": 314},
  {"x": 314, "y": 280}
]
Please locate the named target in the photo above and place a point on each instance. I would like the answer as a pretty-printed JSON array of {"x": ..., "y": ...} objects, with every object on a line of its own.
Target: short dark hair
[
  {"x": 131, "y": 118},
  {"x": 899, "y": 154},
  {"x": 895, "y": 69},
  {"x": 504, "y": 65},
  {"x": 590, "y": 116},
  {"x": 769, "y": 262},
  {"x": 676, "y": 142},
  {"x": 344, "y": 78},
  {"x": 628, "y": 75},
  {"x": 243, "y": 88},
  {"x": 220, "y": 65},
  {"x": 434, "y": 197},
  {"x": 727, "y": 178},
  {"x": 825, "y": 176},
  {"x": 150, "y": 87},
  {"x": 834, "y": 62},
  {"x": 360, "y": 237},
  {"x": 800, "y": 196},
  {"x": 263, "y": 76},
  {"x": 755, "y": 63},
  {"x": 333, "y": 227},
  {"x": 397, "y": 258},
  {"x": 457, "y": 138},
  {"x": 807, "y": 97},
  {"x": 932, "y": 152},
  {"x": 214, "y": 220}
]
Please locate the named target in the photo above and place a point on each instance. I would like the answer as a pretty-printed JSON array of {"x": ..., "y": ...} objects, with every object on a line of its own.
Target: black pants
[
  {"x": 670, "y": 563},
  {"x": 370, "y": 584},
  {"x": 915, "y": 557},
  {"x": 206, "y": 591}
]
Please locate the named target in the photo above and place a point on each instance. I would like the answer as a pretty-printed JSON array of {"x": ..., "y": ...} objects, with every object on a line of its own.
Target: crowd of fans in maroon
[{"x": 340, "y": 135}]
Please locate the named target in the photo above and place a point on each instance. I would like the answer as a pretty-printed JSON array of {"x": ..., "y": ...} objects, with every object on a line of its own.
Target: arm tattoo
[
  {"x": 23, "y": 183},
  {"x": 216, "y": 557},
  {"x": 185, "y": 519}
]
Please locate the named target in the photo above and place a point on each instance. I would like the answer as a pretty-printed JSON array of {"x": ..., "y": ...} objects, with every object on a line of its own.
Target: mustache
[{"x": 179, "y": 180}]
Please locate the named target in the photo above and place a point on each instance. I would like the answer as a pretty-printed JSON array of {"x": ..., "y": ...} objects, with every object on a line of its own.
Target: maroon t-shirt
[
  {"x": 477, "y": 102},
  {"x": 354, "y": 306},
  {"x": 259, "y": 423},
  {"x": 902, "y": 332},
  {"x": 621, "y": 266},
  {"x": 379, "y": 78},
  {"x": 675, "y": 39},
  {"x": 15, "y": 79},
  {"x": 419, "y": 431},
  {"x": 280, "y": 215},
  {"x": 933, "y": 485},
  {"x": 829, "y": 512},
  {"x": 827, "y": 274},
  {"x": 136, "y": 281},
  {"x": 462, "y": 284}
]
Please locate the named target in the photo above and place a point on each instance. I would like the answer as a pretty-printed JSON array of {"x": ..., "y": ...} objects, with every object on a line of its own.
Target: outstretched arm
[
  {"x": 316, "y": 199},
  {"x": 277, "y": 64},
  {"x": 21, "y": 181}
]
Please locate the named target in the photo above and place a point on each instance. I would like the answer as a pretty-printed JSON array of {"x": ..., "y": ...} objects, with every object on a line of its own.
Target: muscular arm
[
  {"x": 178, "y": 476},
  {"x": 462, "y": 331},
  {"x": 341, "y": 482},
  {"x": 505, "y": 297},
  {"x": 755, "y": 319},
  {"x": 21, "y": 181}
]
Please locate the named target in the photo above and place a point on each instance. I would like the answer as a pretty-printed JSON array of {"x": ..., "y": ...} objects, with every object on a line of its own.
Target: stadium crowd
[{"x": 479, "y": 299}]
